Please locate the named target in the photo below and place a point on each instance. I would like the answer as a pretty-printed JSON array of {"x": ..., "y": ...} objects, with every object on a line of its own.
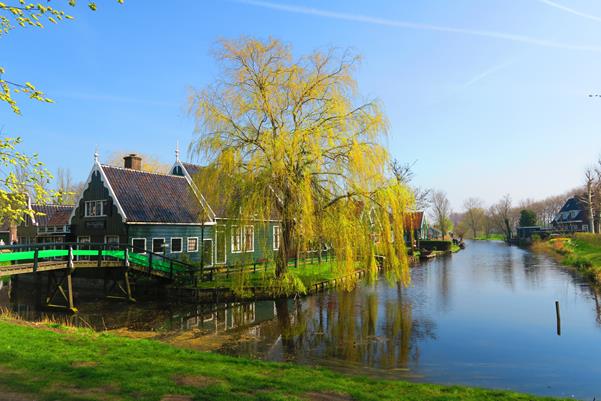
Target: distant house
[
  {"x": 164, "y": 213},
  {"x": 434, "y": 233},
  {"x": 415, "y": 226},
  {"x": 49, "y": 224},
  {"x": 573, "y": 216}
]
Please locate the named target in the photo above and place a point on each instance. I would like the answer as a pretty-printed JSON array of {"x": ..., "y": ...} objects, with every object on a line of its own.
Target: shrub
[{"x": 433, "y": 245}]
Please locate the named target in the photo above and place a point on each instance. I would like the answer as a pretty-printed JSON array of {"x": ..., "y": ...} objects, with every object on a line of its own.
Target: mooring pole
[{"x": 558, "y": 318}]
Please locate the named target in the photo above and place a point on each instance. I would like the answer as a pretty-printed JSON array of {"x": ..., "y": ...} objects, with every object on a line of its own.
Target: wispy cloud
[
  {"x": 570, "y": 10},
  {"x": 485, "y": 74},
  {"x": 107, "y": 98},
  {"x": 416, "y": 26}
]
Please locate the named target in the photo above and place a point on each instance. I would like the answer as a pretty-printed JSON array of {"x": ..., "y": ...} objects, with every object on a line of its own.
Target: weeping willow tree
[{"x": 291, "y": 137}]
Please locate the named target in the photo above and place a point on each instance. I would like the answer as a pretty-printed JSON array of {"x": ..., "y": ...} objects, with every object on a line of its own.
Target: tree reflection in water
[{"x": 368, "y": 328}]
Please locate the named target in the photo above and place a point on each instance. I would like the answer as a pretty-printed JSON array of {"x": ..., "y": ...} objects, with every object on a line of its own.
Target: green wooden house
[
  {"x": 235, "y": 241},
  {"x": 164, "y": 213}
]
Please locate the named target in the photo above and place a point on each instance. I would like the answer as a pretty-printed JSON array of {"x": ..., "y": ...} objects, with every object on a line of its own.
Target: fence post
[
  {"x": 171, "y": 269},
  {"x": 149, "y": 263},
  {"x": 100, "y": 256},
  {"x": 35, "y": 260},
  {"x": 126, "y": 258},
  {"x": 70, "y": 258}
]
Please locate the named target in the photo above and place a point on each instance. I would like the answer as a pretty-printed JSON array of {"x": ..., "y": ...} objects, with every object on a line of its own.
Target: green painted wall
[
  {"x": 150, "y": 231},
  {"x": 97, "y": 227},
  {"x": 263, "y": 242}
]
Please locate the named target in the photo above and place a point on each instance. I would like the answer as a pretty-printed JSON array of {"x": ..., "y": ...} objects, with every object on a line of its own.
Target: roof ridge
[
  {"x": 141, "y": 171},
  {"x": 51, "y": 204}
]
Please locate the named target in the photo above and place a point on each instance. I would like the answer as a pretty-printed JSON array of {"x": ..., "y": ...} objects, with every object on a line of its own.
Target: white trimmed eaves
[
  {"x": 107, "y": 184},
  {"x": 210, "y": 213}
]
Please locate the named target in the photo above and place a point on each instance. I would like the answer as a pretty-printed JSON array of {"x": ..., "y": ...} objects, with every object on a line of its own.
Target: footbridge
[{"x": 58, "y": 262}]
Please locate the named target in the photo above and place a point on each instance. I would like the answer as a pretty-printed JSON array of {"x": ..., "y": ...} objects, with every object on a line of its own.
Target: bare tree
[
  {"x": 66, "y": 189},
  {"x": 474, "y": 214},
  {"x": 403, "y": 172},
  {"x": 504, "y": 216},
  {"x": 441, "y": 209}
]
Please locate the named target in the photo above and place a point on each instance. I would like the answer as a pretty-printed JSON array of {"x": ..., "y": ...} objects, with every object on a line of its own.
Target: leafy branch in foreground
[
  {"x": 21, "y": 176},
  {"x": 24, "y": 15}
]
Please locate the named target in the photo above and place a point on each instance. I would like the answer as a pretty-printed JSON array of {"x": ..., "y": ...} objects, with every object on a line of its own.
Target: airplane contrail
[
  {"x": 570, "y": 10},
  {"x": 416, "y": 26},
  {"x": 486, "y": 73}
]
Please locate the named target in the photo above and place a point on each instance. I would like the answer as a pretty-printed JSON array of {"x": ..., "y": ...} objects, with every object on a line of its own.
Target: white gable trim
[
  {"x": 210, "y": 213},
  {"x": 98, "y": 168}
]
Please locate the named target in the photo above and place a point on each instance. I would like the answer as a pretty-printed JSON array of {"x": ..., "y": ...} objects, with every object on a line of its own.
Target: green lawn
[
  {"x": 308, "y": 273},
  {"x": 58, "y": 363},
  {"x": 491, "y": 237}
]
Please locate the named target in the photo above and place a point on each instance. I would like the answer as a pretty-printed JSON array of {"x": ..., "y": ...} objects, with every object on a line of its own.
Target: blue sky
[{"x": 487, "y": 96}]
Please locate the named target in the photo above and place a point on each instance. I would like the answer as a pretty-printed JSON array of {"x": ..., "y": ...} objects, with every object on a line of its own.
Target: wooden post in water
[{"x": 558, "y": 318}]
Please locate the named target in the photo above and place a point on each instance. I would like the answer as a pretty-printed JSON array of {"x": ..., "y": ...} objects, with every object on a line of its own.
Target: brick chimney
[{"x": 132, "y": 161}]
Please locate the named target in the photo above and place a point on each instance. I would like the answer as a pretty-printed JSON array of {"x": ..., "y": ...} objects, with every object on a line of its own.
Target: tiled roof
[
  {"x": 413, "y": 220},
  {"x": 154, "y": 198},
  {"x": 53, "y": 215},
  {"x": 573, "y": 210},
  {"x": 217, "y": 200}
]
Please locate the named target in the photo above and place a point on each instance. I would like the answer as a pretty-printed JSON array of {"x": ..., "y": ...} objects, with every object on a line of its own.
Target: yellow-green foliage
[
  {"x": 289, "y": 139},
  {"x": 20, "y": 175}
]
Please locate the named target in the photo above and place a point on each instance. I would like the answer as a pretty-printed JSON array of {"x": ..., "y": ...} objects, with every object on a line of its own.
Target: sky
[{"x": 487, "y": 97}]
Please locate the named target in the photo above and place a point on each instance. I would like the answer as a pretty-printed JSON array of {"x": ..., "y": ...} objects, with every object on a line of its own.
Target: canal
[{"x": 482, "y": 317}]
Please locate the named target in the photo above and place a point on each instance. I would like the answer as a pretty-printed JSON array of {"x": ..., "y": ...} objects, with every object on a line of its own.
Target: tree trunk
[
  {"x": 281, "y": 265},
  {"x": 508, "y": 230},
  {"x": 590, "y": 209}
]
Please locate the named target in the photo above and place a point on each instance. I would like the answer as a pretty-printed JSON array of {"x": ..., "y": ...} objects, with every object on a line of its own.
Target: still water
[{"x": 483, "y": 317}]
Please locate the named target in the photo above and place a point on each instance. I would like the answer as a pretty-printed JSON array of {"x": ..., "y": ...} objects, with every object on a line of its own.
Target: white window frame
[
  {"x": 253, "y": 238},
  {"x": 106, "y": 239},
  {"x": 181, "y": 248},
  {"x": 97, "y": 202},
  {"x": 279, "y": 237},
  {"x": 240, "y": 237},
  {"x": 164, "y": 245},
  {"x": 139, "y": 239},
  {"x": 211, "y": 253},
  {"x": 221, "y": 230},
  {"x": 188, "y": 244}
]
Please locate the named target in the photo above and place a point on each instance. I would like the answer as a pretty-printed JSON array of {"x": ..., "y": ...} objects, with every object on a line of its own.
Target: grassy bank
[
  {"x": 55, "y": 362},
  {"x": 308, "y": 273},
  {"x": 581, "y": 251},
  {"x": 491, "y": 237}
]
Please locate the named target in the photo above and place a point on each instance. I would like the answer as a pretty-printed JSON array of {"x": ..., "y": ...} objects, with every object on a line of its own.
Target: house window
[
  {"x": 192, "y": 244},
  {"x": 220, "y": 246},
  {"x": 139, "y": 245},
  {"x": 207, "y": 252},
  {"x": 276, "y": 237},
  {"x": 249, "y": 238},
  {"x": 158, "y": 245},
  {"x": 111, "y": 239},
  {"x": 236, "y": 239},
  {"x": 585, "y": 227},
  {"x": 176, "y": 245},
  {"x": 95, "y": 208}
]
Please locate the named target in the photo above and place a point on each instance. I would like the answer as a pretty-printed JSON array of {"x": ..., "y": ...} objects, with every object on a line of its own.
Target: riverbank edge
[
  {"x": 48, "y": 361},
  {"x": 566, "y": 250}
]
